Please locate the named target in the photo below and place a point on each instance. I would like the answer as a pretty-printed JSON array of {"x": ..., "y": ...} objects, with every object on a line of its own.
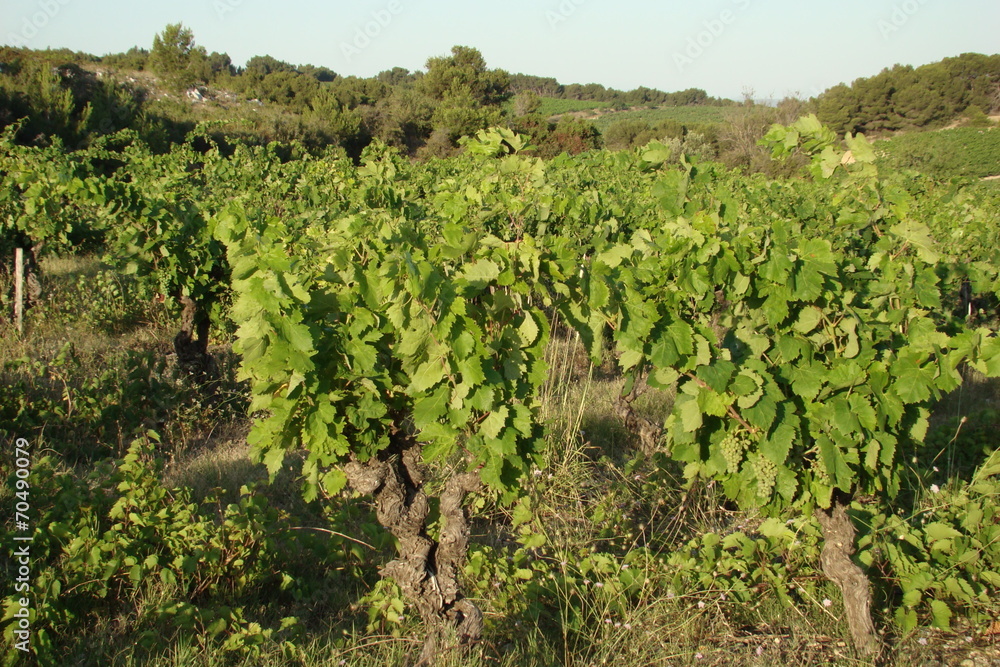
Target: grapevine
[{"x": 392, "y": 318}]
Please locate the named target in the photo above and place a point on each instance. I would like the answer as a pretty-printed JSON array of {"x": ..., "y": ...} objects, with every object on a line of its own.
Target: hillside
[
  {"x": 906, "y": 98},
  {"x": 164, "y": 93}
]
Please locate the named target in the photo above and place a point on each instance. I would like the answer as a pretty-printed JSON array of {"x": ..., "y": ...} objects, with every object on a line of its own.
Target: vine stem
[
  {"x": 333, "y": 532},
  {"x": 729, "y": 408}
]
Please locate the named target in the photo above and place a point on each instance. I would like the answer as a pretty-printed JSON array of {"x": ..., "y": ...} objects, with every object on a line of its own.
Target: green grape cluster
[
  {"x": 766, "y": 472},
  {"x": 821, "y": 473},
  {"x": 733, "y": 446}
]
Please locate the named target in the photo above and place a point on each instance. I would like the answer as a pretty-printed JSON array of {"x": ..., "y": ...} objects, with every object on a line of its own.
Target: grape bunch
[
  {"x": 766, "y": 472},
  {"x": 821, "y": 474},
  {"x": 733, "y": 446}
]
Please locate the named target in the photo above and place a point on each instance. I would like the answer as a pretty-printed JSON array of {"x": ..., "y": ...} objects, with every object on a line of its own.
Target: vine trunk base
[
  {"x": 835, "y": 560},
  {"x": 191, "y": 343},
  {"x": 426, "y": 570}
]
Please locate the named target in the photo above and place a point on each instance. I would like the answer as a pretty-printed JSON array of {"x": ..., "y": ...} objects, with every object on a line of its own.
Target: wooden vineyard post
[{"x": 19, "y": 289}]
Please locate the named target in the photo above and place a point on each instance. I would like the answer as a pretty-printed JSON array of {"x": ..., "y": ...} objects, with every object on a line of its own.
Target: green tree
[
  {"x": 321, "y": 74},
  {"x": 260, "y": 66},
  {"x": 290, "y": 89},
  {"x": 468, "y": 93},
  {"x": 177, "y": 59},
  {"x": 689, "y": 97},
  {"x": 544, "y": 86},
  {"x": 397, "y": 76},
  {"x": 464, "y": 73},
  {"x": 172, "y": 48},
  {"x": 403, "y": 119},
  {"x": 838, "y": 107},
  {"x": 458, "y": 117},
  {"x": 135, "y": 58},
  {"x": 905, "y": 97},
  {"x": 353, "y": 91},
  {"x": 220, "y": 64},
  {"x": 340, "y": 124}
]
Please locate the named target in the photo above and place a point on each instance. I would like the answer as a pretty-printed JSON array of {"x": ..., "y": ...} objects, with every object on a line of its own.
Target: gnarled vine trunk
[
  {"x": 191, "y": 343},
  {"x": 835, "y": 560},
  {"x": 32, "y": 279},
  {"x": 426, "y": 570},
  {"x": 648, "y": 431}
]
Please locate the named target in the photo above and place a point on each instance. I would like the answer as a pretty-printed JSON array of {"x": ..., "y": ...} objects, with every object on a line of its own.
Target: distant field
[
  {"x": 604, "y": 116},
  {"x": 552, "y": 106},
  {"x": 694, "y": 114},
  {"x": 964, "y": 151}
]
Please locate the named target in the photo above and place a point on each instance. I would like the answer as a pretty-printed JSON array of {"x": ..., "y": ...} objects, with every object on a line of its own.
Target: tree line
[
  {"x": 79, "y": 97},
  {"x": 905, "y": 97}
]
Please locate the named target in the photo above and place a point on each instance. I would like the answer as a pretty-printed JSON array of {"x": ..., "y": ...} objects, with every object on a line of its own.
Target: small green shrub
[{"x": 120, "y": 542}]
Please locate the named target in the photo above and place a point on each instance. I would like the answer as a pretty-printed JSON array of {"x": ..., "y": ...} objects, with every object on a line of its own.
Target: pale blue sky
[{"x": 774, "y": 47}]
